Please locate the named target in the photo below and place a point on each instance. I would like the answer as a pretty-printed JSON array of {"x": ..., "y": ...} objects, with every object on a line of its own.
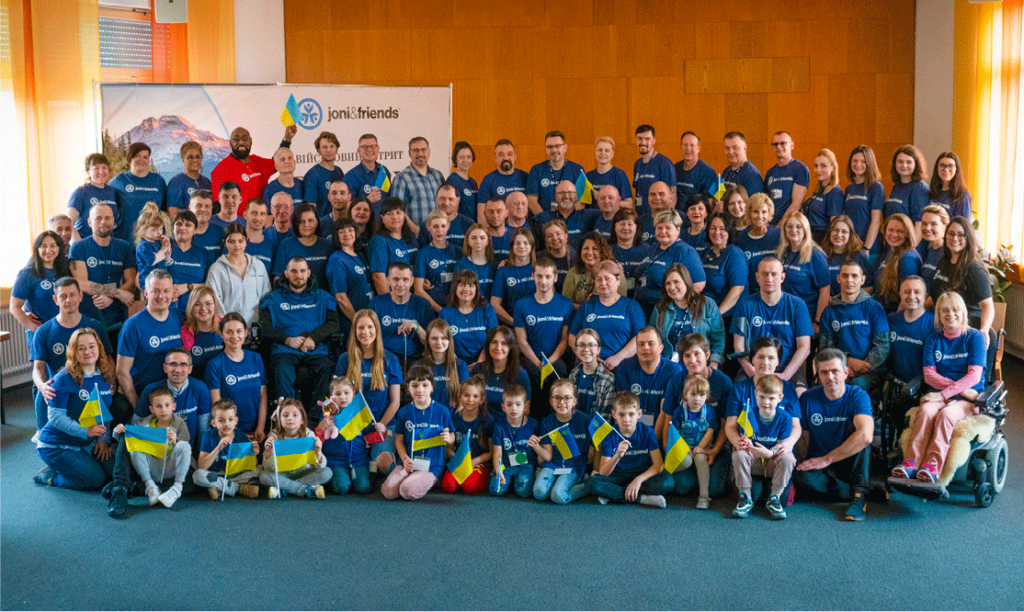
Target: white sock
[{"x": 657, "y": 501}]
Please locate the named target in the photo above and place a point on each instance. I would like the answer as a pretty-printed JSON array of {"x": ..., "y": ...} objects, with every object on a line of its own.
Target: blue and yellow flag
[
  {"x": 599, "y": 430},
  {"x": 564, "y": 442},
  {"x": 149, "y": 440},
  {"x": 546, "y": 369},
  {"x": 584, "y": 189},
  {"x": 746, "y": 426},
  {"x": 95, "y": 411},
  {"x": 294, "y": 453},
  {"x": 428, "y": 437},
  {"x": 354, "y": 418},
  {"x": 675, "y": 451},
  {"x": 241, "y": 458},
  {"x": 383, "y": 182},
  {"x": 291, "y": 113},
  {"x": 461, "y": 464},
  {"x": 717, "y": 189}
]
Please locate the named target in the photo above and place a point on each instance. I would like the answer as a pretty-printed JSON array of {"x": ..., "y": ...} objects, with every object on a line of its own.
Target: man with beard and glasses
[
  {"x": 250, "y": 172},
  {"x": 503, "y": 181}
]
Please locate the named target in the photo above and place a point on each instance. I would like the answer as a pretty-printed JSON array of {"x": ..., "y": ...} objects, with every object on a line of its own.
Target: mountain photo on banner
[{"x": 165, "y": 137}]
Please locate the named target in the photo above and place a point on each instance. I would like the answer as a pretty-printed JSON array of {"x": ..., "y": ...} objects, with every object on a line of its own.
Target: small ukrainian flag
[
  {"x": 676, "y": 450},
  {"x": 428, "y": 437},
  {"x": 718, "y": 189},
  {"x": 383, "y": 182},
  {"x": 564, "y": 441},
  {"x": 294, "y": 453},
  {"x": 744, "y": 422},
  {"x": 546, "y": 369},
  {"x": 354, "y": 418},
  {"x": 584, "y": 189},
  {"x": 291, "y": 113},
  {"x": 95, "y": 411},
  {"x": 599, "y": 430},
  {"x": 241, "y": 458},
  {"x": 461, "y": 464},
  {"x": 149, "y": 440}
]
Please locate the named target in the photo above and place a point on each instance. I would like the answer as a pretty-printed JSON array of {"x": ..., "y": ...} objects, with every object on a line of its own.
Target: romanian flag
[
  {"x": 584, "y": 189},
  {"x": 564, "y": 441},
  {"x": 291, "y": 113},
  {"x": 717, "y": 189},
  {"x": 744, "y": 422},
  {"x": 149, "y": 440},
  {"x": 546, "y": 369},
  {"x": 241, "y": 458},
  {"x": 461, "y": 464},
  {"x": 428, "y": 437},
  {"x": 599, "y": 430},
  {"x": 95, "y": 411},
  {"x": 676, "y": 450},
  {"x": 383, "y": 182},
  {"x": 354, "y": 418},
  {"x": 294, "y": 453}
]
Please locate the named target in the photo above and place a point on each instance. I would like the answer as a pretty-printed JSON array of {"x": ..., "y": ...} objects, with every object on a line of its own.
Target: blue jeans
[
  {"x": 686, "y": 480},
  {"x": 76, "y": 469},
  {"x": 42, "y": 411},
  {"x": 346, "y": 478},
  {"x": 613, "y": 486},
  {"x": 561, "y": 489},
  {"x": 520, "y": 477}
]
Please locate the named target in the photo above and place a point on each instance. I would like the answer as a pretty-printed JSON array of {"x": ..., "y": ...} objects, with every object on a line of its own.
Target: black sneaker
[
  {"x": 108, "y": 489},
  {"x": 857, "y": 508},
  {"x": 44, "y": 477},
  {"x": 118, "y": 505},
  {"x": 744, "y": 506}
]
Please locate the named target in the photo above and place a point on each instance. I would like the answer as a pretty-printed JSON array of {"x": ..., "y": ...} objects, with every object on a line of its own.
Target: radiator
[
  {"x": 14, "y": 353},
  {"x": 1015, "y": 320}
]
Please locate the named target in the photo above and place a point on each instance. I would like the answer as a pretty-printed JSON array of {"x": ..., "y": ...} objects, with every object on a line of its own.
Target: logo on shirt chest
[
  {"x": 506, "y": 444},
  {"x": 94, "y": 201},
  {"x": 191, "y": 190},
  {"x": 835, "y": 325},
  {"x": 454, "y": 330},
  {"x": 83, "y": 395},
  {"x": 938, "y": 355},
  {"x": 154, "y": 341},
  {"x": 230, "y": 379},
  {"x": 757, "y": 322},
  {"x": 366, "y": 189},
  {"x": 591, "y": 317},
  {"x": 359, "y": 269},
  {"x": 531, "y": 320},
  {"x": 409, "y": 426},
  {"x": 129, "y": 188},
  {"x": 434, "y": 264},
  {"x": 545, "y": 182},
  {"x": 816, "y": 419},
  {"x": 92, "y": 262},
  {"x": 636, "y": 388},
  {"x": 57, "y": 349},
  {"x": 386, "y": 321},
  {"x": 45, "y": 285},
  {"x": 500, "y": 190},
  {"x": 511, "y": 282},
  {"x": 399, "y": 253},
  {"x": 197, "y": 350}
]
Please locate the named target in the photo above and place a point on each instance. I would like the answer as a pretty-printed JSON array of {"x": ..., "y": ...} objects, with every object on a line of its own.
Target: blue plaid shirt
[{"x": 417, "y": 191}]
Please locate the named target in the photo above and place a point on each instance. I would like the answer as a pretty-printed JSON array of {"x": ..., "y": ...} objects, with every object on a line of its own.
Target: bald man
[{"x": 251, "y": 172}]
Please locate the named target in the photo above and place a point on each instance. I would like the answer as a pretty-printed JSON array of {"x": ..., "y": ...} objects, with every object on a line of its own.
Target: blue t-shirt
[
  {"x": 512, "y": 283},
  {"x": 148, "y": 340},
  {"x": 316, "y": 184},
  {"x": 614, "y": 177},
  {"x": 835, "y": 263},
  {"x": 275, "y": 187},
  {"x": 436, "y": 266},
  {"x": 744, "y": 397},
  {"x": 393, "y": 315},
  {"x": 578, "y": 425},
  {"x": 386, "y": 250},
  {"x": 463, "y": 428},
  {"x": 724, "y": 271},
  {"x": 637, "y": 459},
  {"x": 181, "y": 187},
  {"x": 720, "y": 392},
  {"x": 747, "y": 175},
  {"x": 830, "y": 422},
  {"x": 187, "y": 267},
  {"x": 907, "y": 198},
  {"x": 85, "y": 197},
  {"x": 134, "y": 193},
  {"x": 316, "y": 256},
  {"x": 787, "y": 320},
  {"x": 769, "y": 432},
  {"x": 207, "y": 346},
  {"x": 216, "y": 221},
  {"x": 466, "y": 191},
  {"x": 241, "y": 383},
  {"x": 692, "y": 425},
  {"x": 960, "y": 208},
  {"x": 212, "y": 241},
  {"x": 72, "y": 397},
  {"x": 805, "y": 280},
  {"x": 376, "y": 399},
  {"x": 779, "y": 182},
  {"x": 104, "y": 265},
  {"x": 698, "y": 241},
  {"x": 145, "y": 256},
  {"x": 630, "y": 376},
  {"x": 191, "y": 403},
  {"x": 360, "y": 181},
  {"x": 496, "y": 388},
  {"x": 512, "y": 440},
  {"x": 469, "y": 331},
  {"x": 821, "y": 207},
  {"x": 543, "y": 323},
  {"x": 906, "y": 344},
  {"x": 543, "y": 180},
  {"x": 440, "y": 394},
  {"x": 413, "y": 422},
  {"x": 859, "y": 205},
  {"x": 634, "y": 260},
  {"x": 579, "y": 222},
  {"x": 853, "y": 326},
  {"x": 701, "y": 178},
  {"x": 660, "y": 260},
  {"x": 930, "y": 259},
  {"x": 37, "y": 293},
  {"x": 265, "y": 249},
  {"x": 456, "y": 235},
  {"x": 498, "y": 185},
  {"x": 210, "y": 441},
  {"x": 50, "y": 342},
  {"x": 952, "y": 357},
  {"x": 756, "y": 249},
  {"x": 645, "y": 174},
  {"x": 347, "y": 274},
  {"x": 502, "y": 244},
  {"x": 484, "y": 275},
  {"x": 297, "y": 314},
  {"x": 616, "y": 324}
]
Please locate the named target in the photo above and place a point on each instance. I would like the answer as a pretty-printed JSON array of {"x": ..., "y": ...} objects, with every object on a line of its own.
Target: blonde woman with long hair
[{"x": 805, "y": 265}]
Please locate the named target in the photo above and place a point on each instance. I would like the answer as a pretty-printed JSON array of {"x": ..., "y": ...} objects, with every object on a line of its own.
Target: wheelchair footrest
[{"x": 929, "y": 491}]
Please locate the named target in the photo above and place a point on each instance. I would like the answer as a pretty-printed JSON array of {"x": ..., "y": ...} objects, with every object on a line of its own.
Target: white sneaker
[
  {"x": 603, "y": 501},
  {"x": 657, "y": 501},
  {"x": 228, "y": 487},
  {"x": 153, "y": 493},
  {"x": 171, "y": 495},
  {"x": 703, "y": 502}
]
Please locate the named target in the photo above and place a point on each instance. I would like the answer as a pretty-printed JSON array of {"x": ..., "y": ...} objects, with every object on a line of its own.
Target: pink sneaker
[
  {"x": 929, "y": 472},
  {"x": 907, "y": 469}
]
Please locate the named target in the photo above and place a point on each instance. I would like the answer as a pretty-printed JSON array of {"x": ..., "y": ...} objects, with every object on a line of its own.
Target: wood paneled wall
[{"x": 833, "y": 74}]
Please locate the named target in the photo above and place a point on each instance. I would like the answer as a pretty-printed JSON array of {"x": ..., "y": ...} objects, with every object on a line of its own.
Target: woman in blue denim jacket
[{"x": 682, "y": 310}]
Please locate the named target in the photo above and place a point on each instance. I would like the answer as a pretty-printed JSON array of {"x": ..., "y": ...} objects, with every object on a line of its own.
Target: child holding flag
[
  {"x": 630, "y": 464},
  {"x": 513, "y": 458},
  {"x": 423, "y": 432},
  {"x": 565, "y": 454},
  {"x": 757, "y": 450},
  {"x": 696, "y": 423},
  {"x": 159, "y": 447},
  {"x": 472, "y": 420},
  {"x": 289, "y": 466},
  {"x": 222, "y": 442},
  {"x": 349, "y": 469}
]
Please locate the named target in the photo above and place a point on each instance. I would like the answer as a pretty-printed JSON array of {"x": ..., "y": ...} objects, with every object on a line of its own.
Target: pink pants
[
  {"x": 932, "y": 428},
  {"x": 408, "y": 485}
]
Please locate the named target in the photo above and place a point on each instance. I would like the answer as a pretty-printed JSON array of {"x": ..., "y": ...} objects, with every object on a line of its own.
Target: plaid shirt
[
  {"x": 603, "y": 385},
  {"x": 417, "y": 191}
]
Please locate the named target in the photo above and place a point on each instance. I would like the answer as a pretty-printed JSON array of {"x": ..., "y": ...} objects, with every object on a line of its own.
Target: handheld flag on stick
[
  {"x": 563, "y": 440},
  {"x": 383, "y": 182},
  {"x": 599, "y": 430},
  {"x": 429, "y": 437},
  {"x": 718, "y": 188},
  {"x": 149, "y": 440},
  {"x": 461, "y": 464},
  {"x": 354, "y": 418},
  {"x": 294, "y": 453},
  {"x": 546, "y": 369},
  {"x": 744, "y": 422},
  {"x": 291, "y": 113},
  {"x": 676, "y": 450},
  {"x": 584, "y": 189},
  {"x": 95, "y": 411},
  {"x": 241, "y": 458}
]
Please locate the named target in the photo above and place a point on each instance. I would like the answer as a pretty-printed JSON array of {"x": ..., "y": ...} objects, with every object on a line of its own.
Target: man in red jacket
[{"x": 250, "y": 172}]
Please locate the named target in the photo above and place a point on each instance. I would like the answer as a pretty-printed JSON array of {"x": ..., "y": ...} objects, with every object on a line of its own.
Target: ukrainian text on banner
[{"x": 165, "y": 116}]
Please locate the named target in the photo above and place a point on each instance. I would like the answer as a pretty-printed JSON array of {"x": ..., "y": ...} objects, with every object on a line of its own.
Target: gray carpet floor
[{"x": 59, "y": 550}]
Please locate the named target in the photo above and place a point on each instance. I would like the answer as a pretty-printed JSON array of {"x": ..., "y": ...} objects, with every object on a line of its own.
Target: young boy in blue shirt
[
  {"x": 514, "y": 459},
  {"x": 213, "y": 455},
  {"x": 769, "y": 427},
  {"x": 631, "y": 464}
]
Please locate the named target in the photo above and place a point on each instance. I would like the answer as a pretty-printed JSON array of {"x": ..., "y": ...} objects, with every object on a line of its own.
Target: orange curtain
[{"x": 988, "y": 119}]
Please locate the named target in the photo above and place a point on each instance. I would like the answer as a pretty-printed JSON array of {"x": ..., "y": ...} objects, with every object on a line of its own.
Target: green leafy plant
[{"x": 1000, "y": 269}]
